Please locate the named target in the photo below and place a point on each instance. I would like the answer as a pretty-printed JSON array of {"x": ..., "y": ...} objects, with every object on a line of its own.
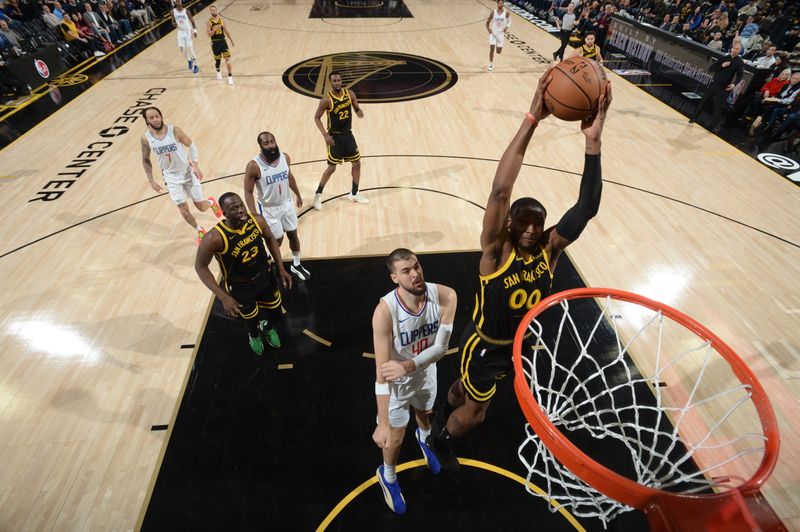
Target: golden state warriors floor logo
[{"x": 374, "y": 76}]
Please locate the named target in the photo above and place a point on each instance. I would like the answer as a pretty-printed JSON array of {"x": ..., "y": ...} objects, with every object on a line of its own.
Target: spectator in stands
[
  {"x": 791, "y": 38},
  {"x": 11, "y": 36},
  {"x": 73, "y": 36},
  {"x": 675, "y": 26},
  {"x": 750, "y": 9},
  {"x": 776, "y": 107},
  {"x": 97, "y": 26},
  {"x": 57, "y": 11},
  {"x": 122, "y": 27},
  {"x": 49, "y": 18},
  {"x": 686, "y": 32},
  {"x": 141, "y": 8},
  {"x": 767, "y": 59},
  {"x": 716, "y": 41},
  {"x": 120, "y": 12},
  {"x": 772, "y": 87},
  {"x": 665, "y": 23},
  {"x": 696, "y": 19},
  {"x": 72, "y": 6}
]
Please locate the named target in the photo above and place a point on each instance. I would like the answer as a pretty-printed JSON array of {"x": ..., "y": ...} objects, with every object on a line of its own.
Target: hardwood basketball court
[{"x": 101, "y": 298}]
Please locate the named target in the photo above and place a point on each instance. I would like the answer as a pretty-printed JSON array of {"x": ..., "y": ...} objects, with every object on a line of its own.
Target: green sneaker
[
  {"x": 256, "y": 345},
  {"x": 269, "y": 334}
]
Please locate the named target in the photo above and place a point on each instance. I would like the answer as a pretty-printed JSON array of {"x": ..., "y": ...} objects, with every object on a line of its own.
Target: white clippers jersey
[
  {"x": 273, "y": 182},
  {"x": 413, "y": 333},
  {"x": 171, "y": 156},
  {"x": 499, "y": 21},
  {"x": 182, "y": 20}
]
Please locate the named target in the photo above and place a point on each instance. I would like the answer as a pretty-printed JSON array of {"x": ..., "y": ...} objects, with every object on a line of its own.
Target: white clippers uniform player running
[
  {"x": 411, "y": 330},
  {"x": 181, "y": 176},
  {"x": 182, "y": 19},
  {"x": 497, "y": 24},
  {"x": 269, "y": 172}
]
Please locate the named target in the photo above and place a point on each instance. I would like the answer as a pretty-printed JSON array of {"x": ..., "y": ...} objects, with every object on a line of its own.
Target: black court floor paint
[{"x": 257, "y": 448}]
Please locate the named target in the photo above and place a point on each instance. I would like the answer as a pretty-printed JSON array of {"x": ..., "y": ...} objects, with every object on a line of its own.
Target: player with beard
[
  {"x": 271, "y": 174},
  {"x": 518, "y": 259},
  {"x": 182, "y": 174},
  {"x": 238, "y": 244},
  {"x": 411, "y": 330},
  {"x": 216, "y": 29}
]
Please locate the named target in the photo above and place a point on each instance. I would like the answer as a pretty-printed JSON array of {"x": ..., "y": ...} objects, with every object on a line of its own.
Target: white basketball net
[{"x": 683, "y": 432}]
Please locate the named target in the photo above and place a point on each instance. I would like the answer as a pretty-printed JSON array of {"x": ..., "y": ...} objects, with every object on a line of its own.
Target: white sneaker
[
  {"x": 219, "y": 75},
  {"x": 230, "y": 80},
  {"x": 98, "y": 53},
  {"x": 491, "y": 67},
  {"x": 318, "y": 202},
  {"x": 358, "y": 198}
]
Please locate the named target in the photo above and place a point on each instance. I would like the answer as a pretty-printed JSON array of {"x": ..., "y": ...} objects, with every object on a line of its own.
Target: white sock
[
  {"x": 424, "y": 433},
  {"x": 296, "y": 258},
  {"x": 389, "y": 474},
  {"x": 199, "y": 228}
]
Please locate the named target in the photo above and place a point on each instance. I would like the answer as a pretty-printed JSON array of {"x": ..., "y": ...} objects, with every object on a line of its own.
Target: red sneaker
[{"x": 214, "y": 207}]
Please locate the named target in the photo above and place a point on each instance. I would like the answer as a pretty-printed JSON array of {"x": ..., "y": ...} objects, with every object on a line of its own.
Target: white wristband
[{"x": 382, "y": 389}]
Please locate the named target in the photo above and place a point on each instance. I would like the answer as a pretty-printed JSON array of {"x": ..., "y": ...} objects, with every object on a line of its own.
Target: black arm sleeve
[
  {"x": 739, "y": 71},
  {"x": 575, "y": 219}
]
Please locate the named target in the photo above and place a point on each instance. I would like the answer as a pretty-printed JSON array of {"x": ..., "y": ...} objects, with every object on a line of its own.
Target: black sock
[
  {"x": 252, "y": 327},
  {"x": 319, "y": 188},
  {"x": 354, "y": 189}
]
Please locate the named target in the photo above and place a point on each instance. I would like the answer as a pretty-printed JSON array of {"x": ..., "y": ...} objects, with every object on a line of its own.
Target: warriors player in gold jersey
[
  {"x": 216, "y": 29},
  {"x": 238, "y": 244},
  {"x": 589, "y": 49},
  {"x": 339, "y": 104},
  {"x": 518, "y": 259}
]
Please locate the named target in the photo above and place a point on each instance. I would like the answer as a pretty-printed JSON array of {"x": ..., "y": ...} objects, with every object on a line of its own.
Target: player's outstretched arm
[
  {"x": 575, "y": 219},
  {"x": 251, "y": 173},
  {"x": 382, "y": 341},
  {"x": 210, "y": 244},
  {"x": 274, "y": 250},
  {"x": 494, "y": 218}
]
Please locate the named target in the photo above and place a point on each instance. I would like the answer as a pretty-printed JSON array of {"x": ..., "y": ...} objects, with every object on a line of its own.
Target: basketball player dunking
[
  {"x": 497, "y": 24},
  {"x": 182, "y": 19},
  {"x": 238, "y": 244},
  {"x": 271, "y": 174},
  {"x": 411, "y": 330},
  {"x": 216, "y": 29},
  {"x": 589, "y": 49},
  {"x": 516, "y": 270},
  {"x": 181, "y": 173},
  {"x": 342, "y": 148}
]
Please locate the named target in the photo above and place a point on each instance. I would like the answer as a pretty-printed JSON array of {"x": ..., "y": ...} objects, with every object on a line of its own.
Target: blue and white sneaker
[
  {"x": 190, "y": 64},
  {"x": 195, "y": 69},
  {"x": 391, "y": 493},
  {"x": 430, "y": 458}
]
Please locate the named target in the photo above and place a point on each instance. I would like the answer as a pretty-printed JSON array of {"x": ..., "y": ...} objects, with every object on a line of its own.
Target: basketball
[{"x": 575, "y": 88}]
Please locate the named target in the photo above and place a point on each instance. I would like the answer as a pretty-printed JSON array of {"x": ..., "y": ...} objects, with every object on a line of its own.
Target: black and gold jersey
[
  {"x": 507, "y": 294},
  {"x": 217, "y": 33},
  {"x": 244, "y": 255},
  {"x": 590, "y": 53},
  {"x": 340, "y": 115}
]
